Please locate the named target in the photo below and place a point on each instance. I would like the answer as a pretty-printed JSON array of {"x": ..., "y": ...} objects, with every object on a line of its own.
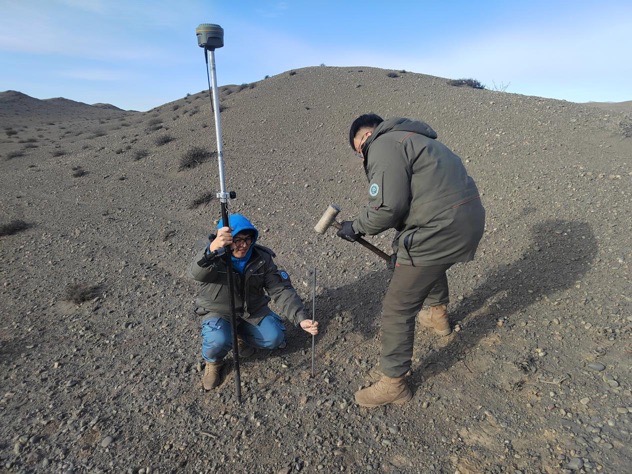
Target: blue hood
[{"x": 239, "y": 223}]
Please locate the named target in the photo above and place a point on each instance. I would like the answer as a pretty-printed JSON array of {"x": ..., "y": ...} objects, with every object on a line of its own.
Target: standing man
[
  {"x": 257, "y": 281},
  {"x": 419, "y": 187}
]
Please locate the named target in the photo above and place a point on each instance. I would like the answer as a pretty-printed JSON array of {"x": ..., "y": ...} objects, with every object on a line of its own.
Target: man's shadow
[{"x": 560, "y": 254}]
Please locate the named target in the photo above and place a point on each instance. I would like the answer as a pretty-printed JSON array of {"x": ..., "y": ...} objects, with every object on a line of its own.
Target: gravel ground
[{"x": 102, "y": 210}]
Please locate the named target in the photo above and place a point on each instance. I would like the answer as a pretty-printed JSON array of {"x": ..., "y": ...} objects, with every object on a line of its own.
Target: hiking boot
[
  {"x": 386, "y": 390},
  {"x": 212, "y": 375},
  {"x": 435, "y": 317},
  {"x": 375, "y": 374},
  {"x": 245, "y": 350}
]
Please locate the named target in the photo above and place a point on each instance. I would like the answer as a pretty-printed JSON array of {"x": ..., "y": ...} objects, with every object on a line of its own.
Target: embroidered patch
[
  {"x": 284, "y": 275},
  {"x": 373, "y": 190}
]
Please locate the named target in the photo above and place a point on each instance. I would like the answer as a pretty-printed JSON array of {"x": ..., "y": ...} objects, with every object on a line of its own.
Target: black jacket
[{"x": 261, "y": 282}]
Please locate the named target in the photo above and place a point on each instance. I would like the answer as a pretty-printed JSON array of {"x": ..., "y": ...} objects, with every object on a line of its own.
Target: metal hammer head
[{"x": 329, "y": 217}]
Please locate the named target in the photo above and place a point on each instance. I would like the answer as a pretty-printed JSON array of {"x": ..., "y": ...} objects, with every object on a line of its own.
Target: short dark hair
[{"x": 366, "y": 120}]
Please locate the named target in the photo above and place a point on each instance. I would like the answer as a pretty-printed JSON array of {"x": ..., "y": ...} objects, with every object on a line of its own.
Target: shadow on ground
[{"x": 560, "y": 254}]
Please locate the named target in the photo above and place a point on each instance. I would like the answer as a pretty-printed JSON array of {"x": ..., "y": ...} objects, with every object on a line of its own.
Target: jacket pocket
[
  {"x": 214, "y": 290},
  {"x": 408, "y": 244}
]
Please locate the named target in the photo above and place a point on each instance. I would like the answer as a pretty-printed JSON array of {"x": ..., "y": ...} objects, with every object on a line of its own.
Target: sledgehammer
[{"x": 329, "y": 219}]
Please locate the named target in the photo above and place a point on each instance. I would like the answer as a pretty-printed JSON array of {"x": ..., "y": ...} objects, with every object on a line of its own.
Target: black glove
[{"x": 346, "y": 232}]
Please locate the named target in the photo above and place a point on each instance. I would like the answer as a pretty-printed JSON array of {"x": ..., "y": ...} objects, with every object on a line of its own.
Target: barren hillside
[{"x": 109, "y": 207}]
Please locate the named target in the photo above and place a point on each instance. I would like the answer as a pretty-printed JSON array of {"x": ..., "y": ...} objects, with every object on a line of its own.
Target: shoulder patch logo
[
  {"x": 284, "y": 275},
  {"x": 373, "y": 190}
]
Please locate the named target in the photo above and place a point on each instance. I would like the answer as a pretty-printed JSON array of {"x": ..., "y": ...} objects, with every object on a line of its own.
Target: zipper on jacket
[{"x": 250, "y": 267}]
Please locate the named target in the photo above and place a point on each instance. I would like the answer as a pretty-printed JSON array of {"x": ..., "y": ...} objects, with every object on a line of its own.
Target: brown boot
[
  {"x": 375, "y": 374},
  {"x": 212, "y": 375},
  {"x": 245, "y": 350},
  {"x": 436, "y": 317},
  {"x": 386, "y": 390}
]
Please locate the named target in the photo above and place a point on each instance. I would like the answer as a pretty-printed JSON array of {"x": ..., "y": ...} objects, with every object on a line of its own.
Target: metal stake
[{"x": 313, "y": 318}]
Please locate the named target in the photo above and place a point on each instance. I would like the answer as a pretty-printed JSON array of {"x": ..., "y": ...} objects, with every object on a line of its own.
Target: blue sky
[{"x": 141, "y": 54}]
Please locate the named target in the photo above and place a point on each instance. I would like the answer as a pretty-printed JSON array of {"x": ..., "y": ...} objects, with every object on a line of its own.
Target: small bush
[
  {"x": 78, "y": 171},
  {"x": 168, "y": 235},
  {"x": 57, "y": 153},
  {"x": 473, "y": 83},
  {"x": 14, "y": 227},
  {"x": 175, "y": 107},
  {"x": 163, "y": 140},
  {"x": 292, "y": 73},
  {"x": 392, "y": 74},
  {"x": 14, "y": 154},
  {"x": 140, "y": 154},
  {"x": 119, "y": 151},
  {"x": 10, "y": 132},
  {"x": 194, "y": 157},
  {"x": 97, "y": 133},
  {"x": 80, "y": 293},
  {"x": 201, "y": 200},
  {"x": 154, "y": 121}
]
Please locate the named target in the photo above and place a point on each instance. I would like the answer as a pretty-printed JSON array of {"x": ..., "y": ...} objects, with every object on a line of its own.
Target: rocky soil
[{"x": 102, "y": 210}]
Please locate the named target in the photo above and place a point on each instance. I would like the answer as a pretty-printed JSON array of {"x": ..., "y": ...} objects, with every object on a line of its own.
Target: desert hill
[
  {"x": 625, "y": 107},
  {"x": 16, "y": 108},
  {"x": 102, "y": 213}
]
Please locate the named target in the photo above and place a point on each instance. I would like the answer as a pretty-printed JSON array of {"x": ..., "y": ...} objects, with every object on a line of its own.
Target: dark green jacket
[
  {"x": 420, "y": 187},
  {"x": 261, "y": 282}
]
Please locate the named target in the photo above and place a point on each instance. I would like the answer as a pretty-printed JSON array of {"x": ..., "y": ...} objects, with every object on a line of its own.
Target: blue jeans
[{"x": 217, "y": 336}]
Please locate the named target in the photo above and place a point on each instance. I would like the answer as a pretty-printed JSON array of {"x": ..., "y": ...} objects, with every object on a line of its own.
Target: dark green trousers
[{"x": 409, "y": 288}]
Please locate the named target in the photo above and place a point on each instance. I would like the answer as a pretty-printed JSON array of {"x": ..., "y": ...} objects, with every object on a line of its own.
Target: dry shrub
[
  {"x": 163, "y": 140},
  {"x": 195, "y": 157},
  {"x": 626, "y": 127},
  {"x": 14, "y": 154},
  {"x": 57, "y": 153},
  {"x": 392, "y": 74},
  {"x": 81, "y": 292},
  {"x": 140, "y": 154},
  {"x": 168, "y": 235},
  {"x": 78, "y": 171},
  {"x": 14, "y": 227},
  {"x": 473, "y": 83},
  {"x": 202, "y": 200}
]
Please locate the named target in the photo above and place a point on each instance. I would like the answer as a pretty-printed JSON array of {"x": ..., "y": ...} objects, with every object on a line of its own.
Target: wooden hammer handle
[{"x": 366, "y": 244}]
